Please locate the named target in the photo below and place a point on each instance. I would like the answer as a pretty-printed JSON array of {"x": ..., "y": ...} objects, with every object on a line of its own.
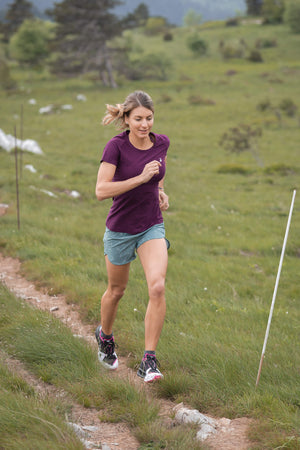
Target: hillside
[{"x": 173, "y": 10}]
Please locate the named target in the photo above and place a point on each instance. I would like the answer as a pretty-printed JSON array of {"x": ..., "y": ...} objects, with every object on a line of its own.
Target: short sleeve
[{"x": 111, "y": 153}]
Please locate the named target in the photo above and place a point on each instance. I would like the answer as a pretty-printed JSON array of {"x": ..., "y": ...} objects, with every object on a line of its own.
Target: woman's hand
[
  {"x": 150, "y": 169},
  {"x": 163, "y": 200}
]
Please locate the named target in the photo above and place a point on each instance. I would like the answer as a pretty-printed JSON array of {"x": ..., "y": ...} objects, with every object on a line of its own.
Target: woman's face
[{"x": 140, "y": 122}]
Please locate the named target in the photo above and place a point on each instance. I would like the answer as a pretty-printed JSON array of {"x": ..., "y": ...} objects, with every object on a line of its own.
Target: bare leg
[
  {"x": 117, "y": 282},
  {"x": 154, "y": 258}
]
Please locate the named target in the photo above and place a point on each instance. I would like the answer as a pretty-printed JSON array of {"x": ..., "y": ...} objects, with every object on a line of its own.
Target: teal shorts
[{"x": 121, "y": 248}]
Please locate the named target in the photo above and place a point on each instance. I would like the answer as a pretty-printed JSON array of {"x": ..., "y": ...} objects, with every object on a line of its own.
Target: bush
[
  {"x": 288, "y": 107},
  {"x": 168, "y": 36},
  {"x": 235, "y": 169},
  {"x": 280, "y": 169},
  {"x": 255, "y": 56},
  {"x": 6, "y": 82},
  {"x": 198, "y": 46},
  {"x": 233, "y": 22},
  {"x": 272, "y": 11},
  {"x": 292, "y": 15},
  {"x": 198, "y": 100},
  {"x": 155, "y": 25},
  {"x": 154, "y": 66},
  {"x": 29, "y": 44},
  {"x": 265, "y": 43},
  {"x": 232, "y": 50}
]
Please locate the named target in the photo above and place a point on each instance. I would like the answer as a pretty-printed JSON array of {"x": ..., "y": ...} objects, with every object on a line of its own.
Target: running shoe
[
  {"x": 148, "y": 369},
  {"x": 106, "y": 352}
]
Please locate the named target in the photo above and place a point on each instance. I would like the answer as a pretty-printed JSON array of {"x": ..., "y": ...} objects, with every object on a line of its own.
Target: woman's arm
[
  {"x": 106, "y": 188},
  {"x": 163, "y": 197}
]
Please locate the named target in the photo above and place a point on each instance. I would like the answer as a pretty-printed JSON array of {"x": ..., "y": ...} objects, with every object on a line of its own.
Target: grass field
[{"x": 226, "y": 224}]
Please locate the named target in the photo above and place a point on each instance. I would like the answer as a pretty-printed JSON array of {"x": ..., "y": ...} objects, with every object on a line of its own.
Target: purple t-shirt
[{"x": 138, "y": 209}]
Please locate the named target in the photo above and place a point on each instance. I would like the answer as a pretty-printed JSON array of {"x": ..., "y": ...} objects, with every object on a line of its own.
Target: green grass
[
  {"x": 226, "y": 228},
  {"x": 30, "y": 422}
]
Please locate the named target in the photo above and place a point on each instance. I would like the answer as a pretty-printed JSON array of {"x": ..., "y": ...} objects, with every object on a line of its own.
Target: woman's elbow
[{"x": 100, "y": 194}]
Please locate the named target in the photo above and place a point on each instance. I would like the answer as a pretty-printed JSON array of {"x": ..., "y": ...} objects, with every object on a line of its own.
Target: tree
[
  {"x": 138, "y": 18},
  {"x": 272, "y": 11},
  {"x": 17, "y": 12},
  {"x": 254, "y": 7},
  {"x": 82, "y": 32},
  {"x": 292, "y": 15},
  {"x": 192, "y": 19},
  {"x": 30, "y": 44}
]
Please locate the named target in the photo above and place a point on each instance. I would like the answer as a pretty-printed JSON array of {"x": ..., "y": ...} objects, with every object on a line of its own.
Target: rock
[{"x": 208, "y": 425}]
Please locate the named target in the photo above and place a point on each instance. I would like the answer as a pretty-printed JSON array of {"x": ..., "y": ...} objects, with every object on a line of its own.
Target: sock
[
  {"x": 106, "y": 336},
  {"x": 149, "y": 352}
]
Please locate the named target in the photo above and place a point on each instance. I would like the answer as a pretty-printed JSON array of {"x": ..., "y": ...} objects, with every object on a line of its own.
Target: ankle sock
[
  {"x": 149, "y": 352},
  {"x": 106, "y": 336}
]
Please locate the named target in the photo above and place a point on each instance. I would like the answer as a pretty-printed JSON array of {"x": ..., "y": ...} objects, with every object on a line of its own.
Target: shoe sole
[
  {"x": 101, "y": 357},
  {"x": 156, "y": 377},
  {"x": 149, "y": 379}
]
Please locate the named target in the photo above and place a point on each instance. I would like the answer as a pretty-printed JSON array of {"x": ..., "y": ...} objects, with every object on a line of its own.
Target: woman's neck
[{"x": 141, "y": 144}]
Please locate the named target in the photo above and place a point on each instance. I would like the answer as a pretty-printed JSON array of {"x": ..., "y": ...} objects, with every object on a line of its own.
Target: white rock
[
  {"x": 8, "y": 143},
  {"x": 48, "y": 193},
  {"x": 46, "y": 109},
  {"x": 205, "y": 431},
  {"x": 77, "y": 428},
  {"x": 74, "y": 194},
  {"x": 30, "y": 168},
  {"x": 185, "y": 415},
  {"x": 81, "y": 98},
  {"x": 67, "y": 107},
  {"x": 208, "y": 425},
  {"x": 31, "y": 146}
]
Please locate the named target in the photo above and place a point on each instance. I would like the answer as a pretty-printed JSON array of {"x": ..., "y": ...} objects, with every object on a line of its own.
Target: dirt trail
[{"x": 230, "y": 437}]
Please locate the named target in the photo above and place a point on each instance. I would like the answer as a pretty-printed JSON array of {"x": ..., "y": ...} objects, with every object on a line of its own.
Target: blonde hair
[{"x": 118, "y": 113}]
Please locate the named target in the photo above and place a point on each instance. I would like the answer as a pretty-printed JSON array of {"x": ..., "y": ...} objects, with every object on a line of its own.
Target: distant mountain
[{"x": 173, "y": 10}]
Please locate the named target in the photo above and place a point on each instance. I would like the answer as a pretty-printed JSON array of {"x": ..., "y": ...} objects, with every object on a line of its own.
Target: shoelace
[
  {"x": 152, "y": 361},
  {"x": 109, "y": 346}
]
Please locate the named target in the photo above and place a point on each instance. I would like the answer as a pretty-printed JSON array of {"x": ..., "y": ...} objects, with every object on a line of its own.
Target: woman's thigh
[
  {"x": 153, "y": 255},
  {"x": 118, "y": 275}
]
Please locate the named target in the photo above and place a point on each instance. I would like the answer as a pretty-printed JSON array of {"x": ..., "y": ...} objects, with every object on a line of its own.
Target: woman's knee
[
  {"x": 116, "y": 292},
  {"x": 157, "y": 288}
]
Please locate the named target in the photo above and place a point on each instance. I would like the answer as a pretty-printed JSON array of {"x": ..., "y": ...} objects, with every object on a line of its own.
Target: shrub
[
  {"x": 155, "y": 25},
  {"x": 168, "y": 36},
  {"x": 154, "y": 66},
  {"x": 265, "y": 43},
  {"x": 255, "y": 56},
  {"x": 235, "y": 169},
  {"x": 292, "y": 15},
  {"x": 288, "y": 107},
  {"x": 198, "y": 100},
  {"x": 231, "y": 50},
  {"x": 165, "y": 98},
  {"x": 264, "y": 105},
  {"x": 242, "y": 138},
  {"x": 280, "y": 169},
  {"x": 233, "y": 22},
  {"x": 30, "y": 44},
  {"x": 198, "y": 46},
  {"x": 6, "y": 82}
]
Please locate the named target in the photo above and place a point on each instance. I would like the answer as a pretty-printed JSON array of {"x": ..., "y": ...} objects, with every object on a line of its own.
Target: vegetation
[
  {"x": 292, "y": 15},
  {"x": 30, "y": 44},
  {"x": 226, "y": 225}
]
